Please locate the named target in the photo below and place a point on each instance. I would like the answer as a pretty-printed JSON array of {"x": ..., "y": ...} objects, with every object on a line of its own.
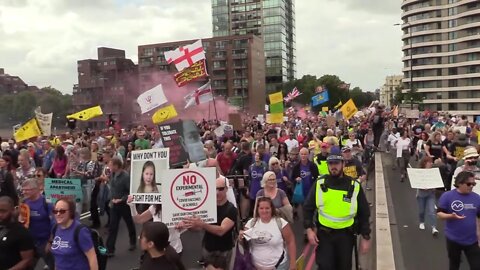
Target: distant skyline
[{"x": 42, "y": 40}]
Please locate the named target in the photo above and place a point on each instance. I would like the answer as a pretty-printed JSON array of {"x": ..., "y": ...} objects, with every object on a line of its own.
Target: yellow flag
[
  {"x": 276, "y": 98},
  {"x": 349, "y": 109},
  {"x": 274, "y": 118},
  {"x": 27, "y": 131},
  {"x": 164, "y": 114},
  {"x": 338, "y": 105},
  {"x": 324, "y": 109},
  {"x": 87, "y": 114}
]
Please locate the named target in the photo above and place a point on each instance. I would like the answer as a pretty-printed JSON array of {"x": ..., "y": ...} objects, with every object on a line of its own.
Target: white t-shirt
[
  {"x": 290, "y": 144},
  {"x": 266, "y": 245},
  {"x": 392, "y": 138},
  {"x": 402, "y": 145},
  {"x": 174, "y": 237}
]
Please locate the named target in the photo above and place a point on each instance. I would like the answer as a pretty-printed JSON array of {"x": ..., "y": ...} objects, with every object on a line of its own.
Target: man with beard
[
  {"x": 338, "y": 200},
  {"x": 16, "y": 244}
]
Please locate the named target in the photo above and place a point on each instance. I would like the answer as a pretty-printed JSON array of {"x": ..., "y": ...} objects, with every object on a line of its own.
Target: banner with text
[
  {"x": 189, "y": 192},
  {"x": 59, "y": 188},
  {"x": 146, "y": 168},
  {"x": 183, "y": 139}
]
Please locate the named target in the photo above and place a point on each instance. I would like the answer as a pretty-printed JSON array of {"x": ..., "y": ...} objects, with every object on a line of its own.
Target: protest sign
[
  {"x": 58, "y": 188},
  {"x": 412, "y": 113},
  {"x": 425, "y": 178},
  {"x": 235, "y": 120},
  {"x": 189, "y": 192},
  {"x": 184, "y": 142},
  {"x": 146, "y": 168},
  {"x": 261, "y": 118}
]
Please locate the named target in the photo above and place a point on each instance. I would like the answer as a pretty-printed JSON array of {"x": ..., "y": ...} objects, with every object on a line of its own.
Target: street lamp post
[{"x": 411, "y": 61}]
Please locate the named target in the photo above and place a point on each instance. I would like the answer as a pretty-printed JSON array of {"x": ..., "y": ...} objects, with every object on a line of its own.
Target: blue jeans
[{"x": 426, "y": 206}]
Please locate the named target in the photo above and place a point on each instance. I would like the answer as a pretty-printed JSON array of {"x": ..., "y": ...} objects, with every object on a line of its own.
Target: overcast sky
[{"x": 40, "y": 41}]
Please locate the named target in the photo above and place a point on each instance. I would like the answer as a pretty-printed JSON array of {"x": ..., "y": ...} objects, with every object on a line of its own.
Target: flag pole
[{"x": 214, "y": 105}]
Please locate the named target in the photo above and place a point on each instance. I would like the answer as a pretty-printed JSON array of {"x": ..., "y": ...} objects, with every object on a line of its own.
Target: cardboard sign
[
  {"x": 235, "y": 120},
  {"x": 59, "y": 188},
  {"x": 414, "y": 114},
  {"x": 189, "y": 192},
  {"x": 425, "y": 178},
  {"x": 146, "y": 168}
]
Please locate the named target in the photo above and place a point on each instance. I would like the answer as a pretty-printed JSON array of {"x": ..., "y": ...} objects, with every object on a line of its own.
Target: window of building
[
  {"x": 452, "y": 106},
  {"x": 453, "y": 71},
  {"x": 452, "y": 83},
  {"x": 452, "y": 95},
  {"x": 439, "y": 107},
  {"x": 148, "y": 52}
]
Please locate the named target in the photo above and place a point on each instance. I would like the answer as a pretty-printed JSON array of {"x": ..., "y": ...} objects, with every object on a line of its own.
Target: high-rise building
[
  {"x": 234, "y": 63},
  {"x": 274, "y": 20},
  {"x": 442, "y": 53},
  {"x": 111, "y": 82},
  {"x": 10, "y": 84},
  {"x": 388, "y": 89}
]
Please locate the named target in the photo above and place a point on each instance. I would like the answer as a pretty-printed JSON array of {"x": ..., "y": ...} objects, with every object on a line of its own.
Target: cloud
[{"x": 42, "y": 40}]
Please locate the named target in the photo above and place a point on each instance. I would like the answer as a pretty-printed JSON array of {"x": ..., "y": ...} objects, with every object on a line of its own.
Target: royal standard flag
[
  {"x": 276, "y": 98},
  {"x": 27, "y": 131},
  {"x": 164, "y": 114},
  {"x": 320, "y": 98},
  {"x": 349, "y": 109},
  {"x": 276, "y": 108},
  {"x": 87, "y": 114}
]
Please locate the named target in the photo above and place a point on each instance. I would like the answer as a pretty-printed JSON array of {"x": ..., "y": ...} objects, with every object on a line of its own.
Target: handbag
[
  {"x": 298, "y": 197},
  {"x": 243, "y": 258}
]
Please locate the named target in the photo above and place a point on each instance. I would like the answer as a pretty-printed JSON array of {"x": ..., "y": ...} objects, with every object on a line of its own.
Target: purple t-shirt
[
  {"x": 280, "y": 183},
  {"x": 461, "y": 231},
  {"x": 306, "y": 176},
  {"x": 68, "y": 254},
  {"x": 256, "y": 175},
  {"x": 40, "y": 220}
]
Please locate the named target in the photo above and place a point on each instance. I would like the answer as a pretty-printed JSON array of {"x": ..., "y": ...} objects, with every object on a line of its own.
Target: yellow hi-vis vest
[
  {"x": 335, "y": 209},
  {"x": 321, "y": 165}
]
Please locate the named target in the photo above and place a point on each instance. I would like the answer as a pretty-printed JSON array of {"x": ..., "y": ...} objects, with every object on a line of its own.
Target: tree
[
  {"x": 23, "y": 106},
  {"x": 360, "y": 98}
]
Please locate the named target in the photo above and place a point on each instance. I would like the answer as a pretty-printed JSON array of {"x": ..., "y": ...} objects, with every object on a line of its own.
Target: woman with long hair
[
  {"x": 282, "y": 152},
  {"x": 270, "y": 235},
  {"x": 147, "y": 183},
  {"x": 59, "y": 166},
  {"x": 154, "y": 212},
  {"x": 7, "y": 183},
  {"x": 158, "y": 254},
  {"x": 426, "y": 201},
  {"x": 434, "y": 146}
]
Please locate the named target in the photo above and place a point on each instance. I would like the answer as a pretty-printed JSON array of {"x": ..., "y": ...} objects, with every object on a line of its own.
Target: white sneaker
[
  {"x": 421, "y": 226},
  {"x": 434, "y": 231}
]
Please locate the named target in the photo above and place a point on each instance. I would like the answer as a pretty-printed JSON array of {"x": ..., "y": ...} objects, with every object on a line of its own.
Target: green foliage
[
  {"x": 308, "y": 83},
  {"x": 19, "y": 108},
  {"x": 413, "y": 96}
]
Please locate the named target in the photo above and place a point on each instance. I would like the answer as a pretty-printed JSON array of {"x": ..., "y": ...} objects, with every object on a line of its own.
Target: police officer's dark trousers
[{"x": 334, "y": 250}]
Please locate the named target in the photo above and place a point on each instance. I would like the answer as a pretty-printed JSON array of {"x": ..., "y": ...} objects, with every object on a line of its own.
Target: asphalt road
[
  {"x": 414, "y": 249},
  {"x": 125, "y": 259}
]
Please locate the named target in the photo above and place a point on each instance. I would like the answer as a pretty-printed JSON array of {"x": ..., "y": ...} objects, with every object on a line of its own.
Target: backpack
[{"x": 97, "y": 240}]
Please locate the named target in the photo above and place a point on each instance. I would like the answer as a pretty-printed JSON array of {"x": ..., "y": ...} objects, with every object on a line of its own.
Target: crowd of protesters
[{"x": 278, "y": 162}]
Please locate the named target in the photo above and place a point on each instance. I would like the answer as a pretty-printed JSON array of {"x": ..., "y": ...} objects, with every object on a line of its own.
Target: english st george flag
[
  {"x": 292, "y": 95},
  {"x": 201, "y": 95},
  {"x": 183, "y": 57}
]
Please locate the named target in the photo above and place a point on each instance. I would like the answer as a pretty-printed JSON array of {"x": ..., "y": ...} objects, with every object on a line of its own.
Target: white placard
[
  {"x": 147, "y": 166},
  {"x": 189, "y": 192},
  {"x": 425, "y": 178}
]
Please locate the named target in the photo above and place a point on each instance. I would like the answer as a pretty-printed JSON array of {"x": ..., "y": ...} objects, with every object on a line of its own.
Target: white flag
[
  {"x": 151, "y": 99},
  {"x": 44, "y": 121},
  {"x": 185, "y": 56},
  {"x": 201, "y": 95}
]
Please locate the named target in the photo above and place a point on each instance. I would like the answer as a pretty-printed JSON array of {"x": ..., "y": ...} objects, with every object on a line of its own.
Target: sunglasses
[
  {"x": 59, "y": 211},
  {"x": 471, "y": 184},
  {"x": 221, "y": 188},
  {"x": 39, "y": 175}
]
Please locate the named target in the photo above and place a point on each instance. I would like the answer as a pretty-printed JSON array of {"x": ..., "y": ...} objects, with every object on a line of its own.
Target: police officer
[{"x": 342, "y": 212}]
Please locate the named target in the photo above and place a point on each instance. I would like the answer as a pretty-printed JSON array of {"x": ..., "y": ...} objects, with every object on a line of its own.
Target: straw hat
[{"x": 469, "y": 153}]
